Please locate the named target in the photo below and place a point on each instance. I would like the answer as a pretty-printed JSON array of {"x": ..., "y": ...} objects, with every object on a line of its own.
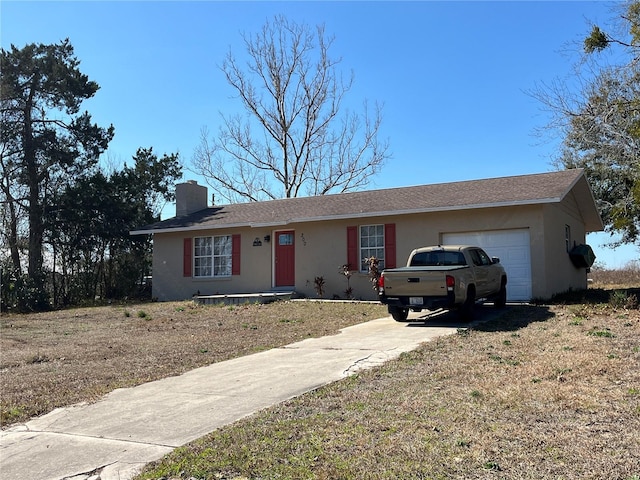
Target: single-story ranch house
[{"x": 531, "y": 222}]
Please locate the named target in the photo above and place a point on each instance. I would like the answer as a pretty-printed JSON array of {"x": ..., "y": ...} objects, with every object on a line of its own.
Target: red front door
[{"x": 285, "y": 258}]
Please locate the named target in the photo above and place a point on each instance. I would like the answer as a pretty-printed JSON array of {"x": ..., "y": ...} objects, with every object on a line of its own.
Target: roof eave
[
  {"x": 590, "y": 214},
  {"x": 324, "y": 218},
  {"x": 193, "y": 228}
]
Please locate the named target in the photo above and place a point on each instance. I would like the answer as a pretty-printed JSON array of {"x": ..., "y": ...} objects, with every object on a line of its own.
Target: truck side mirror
[{"x": 495, "y": 259}]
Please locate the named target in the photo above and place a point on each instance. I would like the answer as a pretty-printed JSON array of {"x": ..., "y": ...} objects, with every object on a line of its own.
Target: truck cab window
[
  {"x": 480, "y": 258},
  {"x": 435, "y": 259}
]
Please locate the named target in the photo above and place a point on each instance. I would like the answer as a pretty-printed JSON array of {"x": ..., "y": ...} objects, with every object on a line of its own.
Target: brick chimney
[{"x": 190, "y": 197}]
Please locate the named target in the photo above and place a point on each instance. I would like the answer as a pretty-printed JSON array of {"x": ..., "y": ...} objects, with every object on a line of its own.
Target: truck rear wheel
[
  {"x": 501, "y": 299},
  {"x": 466, "y": 309},
  {"x": 399, "y": 314}
]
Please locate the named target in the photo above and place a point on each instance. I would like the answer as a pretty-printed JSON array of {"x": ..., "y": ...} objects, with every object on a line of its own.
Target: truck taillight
[
  {"x": 381, "y": 283},
  {"x": 451, "y": 282}
]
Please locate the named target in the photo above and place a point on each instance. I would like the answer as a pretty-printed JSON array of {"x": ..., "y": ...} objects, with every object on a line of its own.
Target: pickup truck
[{"x": 449, "y": 277}]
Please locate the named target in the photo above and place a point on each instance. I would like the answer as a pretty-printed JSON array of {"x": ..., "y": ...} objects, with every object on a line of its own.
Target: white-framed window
[
  {"x": 212, "y": 256},
  {"x": 371, "y": 245}
]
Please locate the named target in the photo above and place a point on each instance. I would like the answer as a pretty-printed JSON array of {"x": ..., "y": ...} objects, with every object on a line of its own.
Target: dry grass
[
  {"x": 59, "y": 358},
  {"x": 544, "y": 392}
]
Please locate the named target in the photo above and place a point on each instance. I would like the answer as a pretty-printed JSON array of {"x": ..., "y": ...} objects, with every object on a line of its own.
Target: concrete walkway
[{"x": 115, "y": 437}]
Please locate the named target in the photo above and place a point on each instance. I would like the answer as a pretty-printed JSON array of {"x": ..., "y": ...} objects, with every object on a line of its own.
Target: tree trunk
[
  {"x": 13, "y": 239},
  {"x": 36, "y": 221}
]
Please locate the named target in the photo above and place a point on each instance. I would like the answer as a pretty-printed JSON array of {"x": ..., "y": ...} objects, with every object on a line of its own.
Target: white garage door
[{"x": 513, "y": 249}]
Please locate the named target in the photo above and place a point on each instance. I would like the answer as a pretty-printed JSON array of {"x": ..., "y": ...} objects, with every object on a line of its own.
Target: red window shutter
[
  {"x": 390, "y": 245},
  {"x": 186, "y": 257},
  {"x": 352, "y": 248},
  {"x": 235, "y": 254}
]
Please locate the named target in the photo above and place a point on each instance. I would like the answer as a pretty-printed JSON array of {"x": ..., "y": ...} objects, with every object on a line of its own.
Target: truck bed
[{"x": 424, "y": 287}]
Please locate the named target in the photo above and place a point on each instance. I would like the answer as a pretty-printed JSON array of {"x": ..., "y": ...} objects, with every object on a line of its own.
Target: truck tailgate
[{"x": 417, "y": 281}]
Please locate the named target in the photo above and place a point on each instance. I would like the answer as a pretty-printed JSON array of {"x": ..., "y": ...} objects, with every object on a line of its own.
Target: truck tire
[
  {"x": 501, "y": 298},
  {"x": 399, "y": 314},
  {"x": 466, "y": 309}
]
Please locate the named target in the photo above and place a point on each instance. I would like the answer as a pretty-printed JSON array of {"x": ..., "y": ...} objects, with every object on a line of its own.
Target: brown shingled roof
[{"x": 494, "y": 192}]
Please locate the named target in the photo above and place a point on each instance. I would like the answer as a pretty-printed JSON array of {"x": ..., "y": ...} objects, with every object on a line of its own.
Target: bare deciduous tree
[{"x": 294, "y": 138}]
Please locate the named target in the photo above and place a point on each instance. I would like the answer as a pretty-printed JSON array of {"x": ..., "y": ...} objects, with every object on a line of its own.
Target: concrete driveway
[{"x": 115, "y": 437}]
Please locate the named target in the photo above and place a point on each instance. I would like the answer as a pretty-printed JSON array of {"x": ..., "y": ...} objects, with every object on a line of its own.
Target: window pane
[
  {"x": 222, "y": 266},
  {"x": 202, "y": 256},
  {"x": 212, "y": 256},
  {"x": 285, "y": 239},
  {"x": 222, "y": 256},
  {"x": 202, "y": 267},
  {"x": 222, "y": 245},
  {"x": 371, "y": 244},
  {"x": 202, "y": 246}
]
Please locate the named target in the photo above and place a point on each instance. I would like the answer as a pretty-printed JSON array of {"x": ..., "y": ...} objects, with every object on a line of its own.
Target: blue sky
[{"x": 453, "y": 76}]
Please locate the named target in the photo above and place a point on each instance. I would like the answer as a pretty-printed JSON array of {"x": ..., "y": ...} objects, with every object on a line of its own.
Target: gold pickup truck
[{"x": 443, "y": 276}]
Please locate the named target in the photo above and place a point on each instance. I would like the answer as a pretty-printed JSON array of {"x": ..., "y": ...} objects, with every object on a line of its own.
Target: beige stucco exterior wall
[
  {"x": 170, "y": 284},
  {"x": 327, "y": 242},
  {"x": 466, "y": 221},
  {"x": 560, "y": 273},
  {"x": 321, "y": 250}
]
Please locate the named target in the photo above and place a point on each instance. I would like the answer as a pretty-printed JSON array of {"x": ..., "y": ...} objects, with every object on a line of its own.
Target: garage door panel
[
  {"x": 519, "y": 292},
  {"x": 513, "y": 249},
  {"x": 516, "y": 255},
  {"x": 518, "y": 274},
  {"x": 502, "y": 239}
]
